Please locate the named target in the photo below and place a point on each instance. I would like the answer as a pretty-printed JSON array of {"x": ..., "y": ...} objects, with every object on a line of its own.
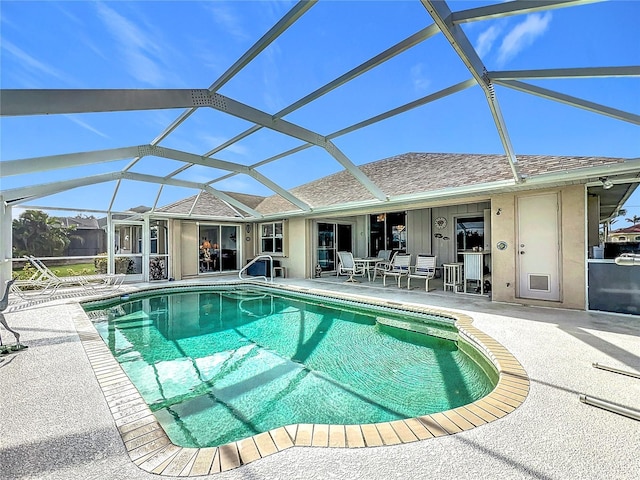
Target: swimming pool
[{"x": 220, "y": 365}]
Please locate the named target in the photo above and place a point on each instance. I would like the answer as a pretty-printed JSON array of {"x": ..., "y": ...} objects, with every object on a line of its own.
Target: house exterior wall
[
  {"x": 249, "y": 234},
  {"x": 188, "y": 249},
  {"x": 445, "y": 250},
  {"x": 624, "y": 237},
  {"x": 572, "y": 248},
  {"x": 300, "y": 241},
  {"x": 175, "y": 231},
  {"x": 419, "y": 232},
  {"x": 87, "y": 242},
  {"x": 298, "y": 237}
]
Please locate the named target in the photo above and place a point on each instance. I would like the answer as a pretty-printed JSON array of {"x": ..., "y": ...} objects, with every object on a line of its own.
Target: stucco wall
[
  {"x": 189, "y": 249},
  {"x": 572, "y": 248},
  {"x": 297, "y": 238}
]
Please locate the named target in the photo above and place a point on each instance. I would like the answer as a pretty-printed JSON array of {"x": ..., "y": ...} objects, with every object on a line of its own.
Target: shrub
[{"x": 123, "y": 264}]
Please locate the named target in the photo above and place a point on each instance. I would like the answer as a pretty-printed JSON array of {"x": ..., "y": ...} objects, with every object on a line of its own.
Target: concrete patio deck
[{"x": 56, "y": 423}]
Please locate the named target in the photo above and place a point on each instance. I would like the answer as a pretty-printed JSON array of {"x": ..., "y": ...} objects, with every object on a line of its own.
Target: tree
[
  {"x": 36, "y": 233},
  {"x": 635, "y": 219}
]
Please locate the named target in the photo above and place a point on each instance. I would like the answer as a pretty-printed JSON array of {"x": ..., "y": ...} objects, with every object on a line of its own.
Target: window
[
  {"x": 469, "y": 233},
  {"x": 388, "y": 231},
  {"x": 271, "y": 237}
]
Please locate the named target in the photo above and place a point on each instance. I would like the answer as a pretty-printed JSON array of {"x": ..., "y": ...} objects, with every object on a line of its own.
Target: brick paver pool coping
[{"x": 151, "y": 450}]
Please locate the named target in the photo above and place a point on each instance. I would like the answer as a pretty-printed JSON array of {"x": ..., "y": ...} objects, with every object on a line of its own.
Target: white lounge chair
[
  {"x": 46, "y": 282},
  {"x": 347, "y": 266},
  {"x": 425, "y": 268},
  {"x": 399, "y": 268}
]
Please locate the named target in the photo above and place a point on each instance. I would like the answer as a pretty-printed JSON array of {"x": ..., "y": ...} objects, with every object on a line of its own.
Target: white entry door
[{"x": 538, "y": 247}]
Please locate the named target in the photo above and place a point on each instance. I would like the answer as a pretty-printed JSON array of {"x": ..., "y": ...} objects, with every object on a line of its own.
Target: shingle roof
[
  {"x": 412, "y": 173},
  {"x": 405, "y": 174},
  {"x": 208, "y": 204},
  {"x": 80, "y": 223}
]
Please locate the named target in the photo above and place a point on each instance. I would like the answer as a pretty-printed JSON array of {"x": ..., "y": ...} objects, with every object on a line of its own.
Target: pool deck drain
[{"x": 150, "y": 448}]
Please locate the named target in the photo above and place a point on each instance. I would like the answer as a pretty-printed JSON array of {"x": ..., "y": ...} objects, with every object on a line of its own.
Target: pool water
[{"x": 219, "y": 366}]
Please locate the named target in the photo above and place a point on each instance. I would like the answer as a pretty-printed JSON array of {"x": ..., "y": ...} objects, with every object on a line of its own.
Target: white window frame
[{"x": 274, "y": 236}]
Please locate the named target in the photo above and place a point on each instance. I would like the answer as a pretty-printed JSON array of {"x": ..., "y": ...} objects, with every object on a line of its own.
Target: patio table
[{"x": 367, "y": 264}]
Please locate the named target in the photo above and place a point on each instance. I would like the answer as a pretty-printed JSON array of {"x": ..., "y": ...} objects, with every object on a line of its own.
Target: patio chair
[
  {"x": 425, "y": 268},
  {"x": 399, "y": 268},
  {"x": 347, "y": 266},
  {"x": 383, "y": 265}
]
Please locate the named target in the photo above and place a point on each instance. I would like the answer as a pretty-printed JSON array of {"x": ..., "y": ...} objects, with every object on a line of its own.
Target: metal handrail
[
  {"x": 628, "y": 259},
  {"x": 270, "y": 279}
]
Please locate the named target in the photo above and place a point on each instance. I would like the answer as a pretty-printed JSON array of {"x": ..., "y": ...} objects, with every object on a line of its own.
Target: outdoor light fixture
[{"x": 606, "y": 183}]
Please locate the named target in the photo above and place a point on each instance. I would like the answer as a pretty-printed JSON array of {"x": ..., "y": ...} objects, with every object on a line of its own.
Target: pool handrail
[{"x": 259, "y": 257}]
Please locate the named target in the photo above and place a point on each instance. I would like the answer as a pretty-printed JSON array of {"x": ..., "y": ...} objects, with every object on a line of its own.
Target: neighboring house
[
  {"x": 628, "y": 234},
  {"x": 88, "y": 238}
]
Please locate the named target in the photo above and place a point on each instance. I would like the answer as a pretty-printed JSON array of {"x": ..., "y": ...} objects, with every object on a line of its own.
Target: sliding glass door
[
  {"x": 332, "y": 238},
  {"x": 218, "y": 248}
]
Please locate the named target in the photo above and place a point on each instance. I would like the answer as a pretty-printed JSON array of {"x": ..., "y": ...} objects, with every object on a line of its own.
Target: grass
[{"x": 60, "y": 271}]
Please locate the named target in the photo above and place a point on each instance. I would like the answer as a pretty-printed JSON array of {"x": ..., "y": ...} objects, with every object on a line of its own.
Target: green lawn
[{"x": 61, "y": 271}]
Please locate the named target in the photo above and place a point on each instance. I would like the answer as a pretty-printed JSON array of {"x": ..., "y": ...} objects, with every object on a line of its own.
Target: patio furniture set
[
  {"x": 388, "y": 264},
  {"x": 459, "y": 277}
]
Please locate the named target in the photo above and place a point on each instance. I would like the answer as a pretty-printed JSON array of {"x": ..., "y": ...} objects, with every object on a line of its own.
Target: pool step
[{"x": 419, "y": 327}]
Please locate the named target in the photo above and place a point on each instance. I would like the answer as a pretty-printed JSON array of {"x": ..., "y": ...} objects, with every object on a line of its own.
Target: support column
[
  {"x": 146, "y": 248},
  {"x": 6, "y": 250},
  {"x": 111, "y": 241}
]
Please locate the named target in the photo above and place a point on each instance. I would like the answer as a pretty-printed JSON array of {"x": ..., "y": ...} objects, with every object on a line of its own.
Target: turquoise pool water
[{"x": 221, "y": 365}]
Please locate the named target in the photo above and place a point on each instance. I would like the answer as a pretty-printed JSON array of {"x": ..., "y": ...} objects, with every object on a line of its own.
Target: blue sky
[{"x": 170, "y": 44}]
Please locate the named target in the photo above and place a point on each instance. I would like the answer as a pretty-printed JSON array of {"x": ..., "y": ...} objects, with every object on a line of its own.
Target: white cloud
[
  {"x": 139, "y": 50},
  {"x": 226, "y": 18},
  {"x": 419, "y": 78},
  {"x": 523, "y": 35},
  {"x": 31, "y": 64},
  {"x": 486, "y": 39},
  {"x": 86, "y": 126},
  {"x": 212, "y": 140},
  {"x": 270, "y": 61}
]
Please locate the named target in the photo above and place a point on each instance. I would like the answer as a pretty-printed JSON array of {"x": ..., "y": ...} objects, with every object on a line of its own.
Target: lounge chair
[
  {"x": 36, "y": 285},
  {"x": 347, "y": 266},
  {"x": 46, "y": 282},
  {"x": 425, "y": 268},
  {"x": 399, "y": 268}
]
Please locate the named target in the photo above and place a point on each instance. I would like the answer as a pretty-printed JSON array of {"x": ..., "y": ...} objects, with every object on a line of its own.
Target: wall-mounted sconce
[
  {"x": 606, "y": 183},
  {"x": 499, "y": 211}
]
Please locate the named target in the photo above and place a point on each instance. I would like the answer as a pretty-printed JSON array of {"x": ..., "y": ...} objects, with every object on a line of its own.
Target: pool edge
[{"x": 151, "y": 450}]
